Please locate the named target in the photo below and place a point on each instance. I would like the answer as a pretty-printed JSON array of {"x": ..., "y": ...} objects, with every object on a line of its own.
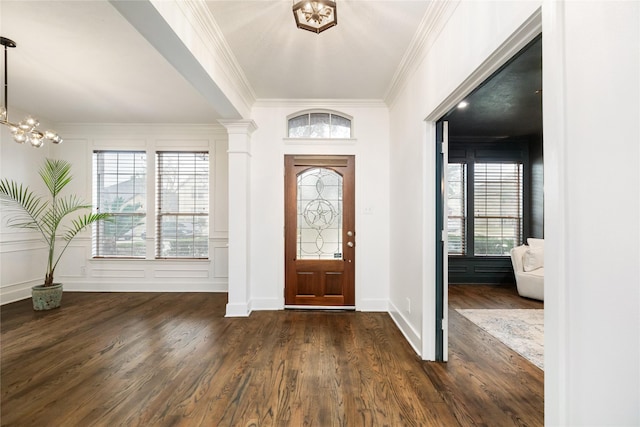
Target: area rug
[{"x": 522, "y": 330}]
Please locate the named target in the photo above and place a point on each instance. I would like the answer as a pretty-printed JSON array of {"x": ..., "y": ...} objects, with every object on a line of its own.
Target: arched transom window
[{"x": 319, "y": 125}]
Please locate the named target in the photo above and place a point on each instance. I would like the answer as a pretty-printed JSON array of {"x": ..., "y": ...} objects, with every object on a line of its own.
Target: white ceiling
[
  {"x": 354, "y": 60},
  {"x": 82, "y": 62}
]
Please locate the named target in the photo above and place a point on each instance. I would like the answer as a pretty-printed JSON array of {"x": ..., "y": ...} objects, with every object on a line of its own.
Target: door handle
[{"x": 350, "y": 244}]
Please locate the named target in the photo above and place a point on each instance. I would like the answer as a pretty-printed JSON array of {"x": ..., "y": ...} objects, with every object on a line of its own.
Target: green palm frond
[
  {"x": 33, "y": 212},
  {"x": 52, "y": 219},
  {"x": 82, "y": 222},
  {"x": 26, "y": 207},
  {"x": 68, "y": 205},
  {"x": 56, "y": 174}
]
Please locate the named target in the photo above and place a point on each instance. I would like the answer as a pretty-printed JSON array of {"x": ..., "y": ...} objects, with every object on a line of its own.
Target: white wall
[
  {"x": 473, "y": 32},
  {"x": 371, "y": 149},
  {"x": 24, "y": 259},
  {"x": 591, "y": 57},
  {"x": 592, "y": 193},
  {"x": 22, "y": 255},
  {"x": 20, "y": 266}
]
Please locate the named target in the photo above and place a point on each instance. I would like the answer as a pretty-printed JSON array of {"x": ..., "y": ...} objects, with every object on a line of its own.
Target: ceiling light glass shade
[
  {"x": 315, "y": 16},
  {"x": 25, "y": 130},
  {"x": 28, "y": 124},
  {"x": 36, "y": 140},
  {"x": 20, "y": 137}
]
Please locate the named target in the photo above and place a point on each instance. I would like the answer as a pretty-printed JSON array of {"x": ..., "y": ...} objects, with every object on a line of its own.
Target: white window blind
[
  {"x": 456, "y": 204},
  {"x": 182, "y": 222},
  {"x": 120, "y": 180},
  {"x": 497, "y": 199}
]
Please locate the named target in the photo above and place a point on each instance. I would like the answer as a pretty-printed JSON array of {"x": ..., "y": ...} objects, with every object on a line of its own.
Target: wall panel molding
[{"x": 23, "y": 254}]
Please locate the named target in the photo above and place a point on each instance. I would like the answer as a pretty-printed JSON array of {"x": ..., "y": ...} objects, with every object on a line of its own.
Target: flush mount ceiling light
[
  {"x": 25, "y": 130},
  {"x": 315, "y": 16}
]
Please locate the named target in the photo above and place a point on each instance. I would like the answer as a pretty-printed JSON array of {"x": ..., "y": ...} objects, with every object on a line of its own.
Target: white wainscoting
[
  {"x": 22, "y": 265},
  {"x": 23, "y": 254}
]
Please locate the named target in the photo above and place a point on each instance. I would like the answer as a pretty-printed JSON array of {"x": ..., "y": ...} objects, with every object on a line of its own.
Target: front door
[{"x": 319, "y": 231}]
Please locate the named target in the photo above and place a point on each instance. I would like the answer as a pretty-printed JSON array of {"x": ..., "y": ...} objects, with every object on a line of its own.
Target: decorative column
[{"x": 239, "y": 132}]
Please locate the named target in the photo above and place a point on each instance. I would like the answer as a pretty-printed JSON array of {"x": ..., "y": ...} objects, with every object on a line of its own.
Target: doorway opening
[{"x": 489, "y": 172}]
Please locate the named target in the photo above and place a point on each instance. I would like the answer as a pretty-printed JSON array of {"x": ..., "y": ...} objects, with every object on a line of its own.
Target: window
[
  {"x": 486, "y": 198},
  {"x": 497, "y": 207},
  {"x": 120, "y": 189},
  {"x": 319, "y": 214},
  {"x": 319, "y": 125},
  {"x": 182, "y": 220},
  {"x": 456, "y": 203}
]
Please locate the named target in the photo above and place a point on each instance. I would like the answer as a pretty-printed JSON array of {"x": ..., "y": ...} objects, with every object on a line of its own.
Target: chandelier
[
  {"x": 25, "y": 130},
  {"x": 315, "y": 16}
]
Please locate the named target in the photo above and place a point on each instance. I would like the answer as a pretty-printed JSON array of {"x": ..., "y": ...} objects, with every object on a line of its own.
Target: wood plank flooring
[
  {"x": 173, "y": 359},
  {"x": 485, "y": 383}
]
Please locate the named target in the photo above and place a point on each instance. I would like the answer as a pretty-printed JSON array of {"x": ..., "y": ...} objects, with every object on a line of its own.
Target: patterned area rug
[{"x": 522, "y": 330}]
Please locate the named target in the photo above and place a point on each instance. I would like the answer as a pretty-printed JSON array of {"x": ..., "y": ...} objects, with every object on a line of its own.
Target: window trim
[
  {"x": 520, "y": 207},
  {"x": 465, "y": 213},
  {"x": 157, "y": 252},
  {"x": 95, "y": 243},
  {"x": 513, "y": 150}
]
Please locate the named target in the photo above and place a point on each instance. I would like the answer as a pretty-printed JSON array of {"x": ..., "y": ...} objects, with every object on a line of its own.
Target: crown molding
[
  {"x": 141, "y": 128},
  {"x": 319, "y": 103},
  {"x": 200, "y": 17},
  {"x": 239, "y": 127},
  {"x": 433, "y": 21}
]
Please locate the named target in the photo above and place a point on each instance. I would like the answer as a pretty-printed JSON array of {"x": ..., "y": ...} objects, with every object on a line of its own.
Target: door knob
[
  {"x": 350, "y": 244},
  {"x": 350, "y": 233}
]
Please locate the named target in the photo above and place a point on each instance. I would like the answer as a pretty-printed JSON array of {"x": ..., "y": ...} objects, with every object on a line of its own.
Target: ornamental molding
[
  {"x": 432, "y": 24},
  {"x": 198, "y": 14}
]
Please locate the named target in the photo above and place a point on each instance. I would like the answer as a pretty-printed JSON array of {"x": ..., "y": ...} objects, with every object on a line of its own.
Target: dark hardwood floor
[
  {"x": 485, "y": 383},
  {"x": 160, "y": 359}
]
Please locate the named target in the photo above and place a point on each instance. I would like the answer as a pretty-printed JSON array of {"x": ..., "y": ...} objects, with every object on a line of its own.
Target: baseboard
[
  {"x": 267, "y": 304},
  {"x": 412, "y": 336},
  {"x": 144, "y": 287},
  {"x": 373, "y": 305},
  {"x": 238, "y": 310},
  {"x": 16, "y": 292}
]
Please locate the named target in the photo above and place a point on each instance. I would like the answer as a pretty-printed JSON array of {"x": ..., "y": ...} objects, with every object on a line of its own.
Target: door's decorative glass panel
[{"x": 319, "y": 200}]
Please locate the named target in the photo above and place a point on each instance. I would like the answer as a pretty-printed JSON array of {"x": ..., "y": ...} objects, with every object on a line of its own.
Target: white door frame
[{"x": 531, "y": 28}]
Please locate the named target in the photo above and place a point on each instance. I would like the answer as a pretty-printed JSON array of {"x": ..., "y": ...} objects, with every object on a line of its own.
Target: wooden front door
[{"x": 320, "y": 231}]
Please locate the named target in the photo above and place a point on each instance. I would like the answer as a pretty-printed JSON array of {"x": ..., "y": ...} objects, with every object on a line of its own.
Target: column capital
[{"x": 239, "y": 127}]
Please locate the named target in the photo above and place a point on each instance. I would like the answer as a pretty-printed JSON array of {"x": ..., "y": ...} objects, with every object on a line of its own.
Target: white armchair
[{"x": 528, "y": 267}]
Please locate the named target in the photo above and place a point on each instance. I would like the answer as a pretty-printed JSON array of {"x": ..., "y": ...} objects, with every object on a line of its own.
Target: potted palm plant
[{"x": 47, "y": 216}]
